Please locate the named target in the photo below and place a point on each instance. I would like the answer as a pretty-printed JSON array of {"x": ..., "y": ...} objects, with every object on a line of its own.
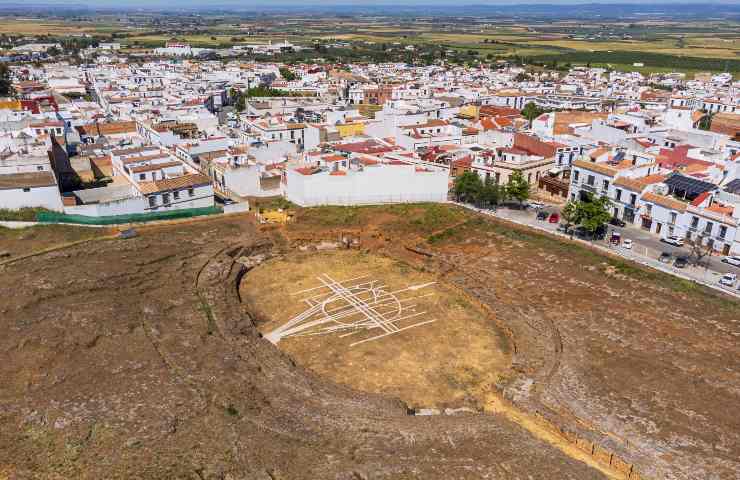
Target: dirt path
[{"x": 494, "y": 404}]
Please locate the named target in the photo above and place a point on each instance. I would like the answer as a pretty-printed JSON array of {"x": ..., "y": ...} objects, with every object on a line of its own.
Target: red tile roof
[{"x": 700, "y": 199}]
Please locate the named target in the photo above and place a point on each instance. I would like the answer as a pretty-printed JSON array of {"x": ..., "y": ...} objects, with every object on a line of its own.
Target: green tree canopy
[
  {"x": 467, "y": 187},
  {"x": 491, "y": 193},
  {"x": 569, "y": 214},
  {"x": 518, "y": 187},
  {"x": 6, "y": 85},
  {"x": 532, "y": 111},
  {"x": 287, "y": 74},
  {"x": 593, "y": 213}
]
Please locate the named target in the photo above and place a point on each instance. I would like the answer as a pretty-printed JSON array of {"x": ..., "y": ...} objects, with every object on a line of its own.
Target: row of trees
[
  {"x": 240, "y": 98},
  {"x": 591, "y": 213},
  {"x": 469, "y": 188}
]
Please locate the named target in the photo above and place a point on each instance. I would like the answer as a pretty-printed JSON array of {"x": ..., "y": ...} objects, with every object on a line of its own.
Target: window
[
  {"x": 166, "y": 198},
  {"x": 708, "y": 228},
  {"x": 722, "y": 231},
  {"x": 176, "y": 195},
  {"x": 153, "y": 201},
  {"x": 26, "y": 189},
  {"x": 575, "y": 176},
  {"x": 674, "y": 215},
  {"x": 142, "y": 176},
  {"x": 40, "y": 168},
  {"x": 619, "y": 194},
  {"x": 191, "y": 192},
  {"x": 694, "y": 222},
  {"x": 633, "y": 199},
  {"x": 591, "y": 180},
  {"x": 605, "y": 185}
]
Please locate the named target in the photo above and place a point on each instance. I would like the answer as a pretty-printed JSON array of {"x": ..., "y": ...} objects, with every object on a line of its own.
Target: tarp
[{"x": 56, "y": 217}]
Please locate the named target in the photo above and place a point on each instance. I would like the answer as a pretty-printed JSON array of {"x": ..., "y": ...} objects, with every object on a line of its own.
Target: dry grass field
[
  {"x": 142, "y": 352},
  {"x": 454, "y": 361}
]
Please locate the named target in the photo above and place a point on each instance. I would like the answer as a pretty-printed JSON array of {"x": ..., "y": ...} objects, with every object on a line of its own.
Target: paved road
[{"x": 646, "y": 245}]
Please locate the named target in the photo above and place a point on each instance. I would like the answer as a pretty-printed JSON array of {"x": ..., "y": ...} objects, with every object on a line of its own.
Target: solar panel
[
  {"x": 688, "y": 186},
  {"x": 733, "y": 186}
]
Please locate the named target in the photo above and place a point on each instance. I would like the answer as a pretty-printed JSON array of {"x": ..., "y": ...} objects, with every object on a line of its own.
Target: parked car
[
  {"x": 627, "y": 243},
  {"x": 554, "y": 218},
  {"x": 542, "y": 215},
  {"x": 616, "y": 238},
  {"x": 584, "y": 234},
  {"x": 563, "y": 228},
  {"x": 732, "y": 260},
  {"x": 681, "y": 261},
  {"x": 665, "y": 257},
  {"x": 673, "y": 240},
  {"x": 535, "y": 205},
  {"x": 728, "y": 279},
  {"x": 617, "y": 222}
]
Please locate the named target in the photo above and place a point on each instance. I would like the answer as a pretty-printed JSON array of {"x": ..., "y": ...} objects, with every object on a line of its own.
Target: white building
[
  {"x": 365, "y": 180},
  {"x": 29, "y": 190}
]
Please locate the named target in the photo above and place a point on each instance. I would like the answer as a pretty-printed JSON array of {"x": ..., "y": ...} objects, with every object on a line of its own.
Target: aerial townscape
[{"x": 344, "y": 241}]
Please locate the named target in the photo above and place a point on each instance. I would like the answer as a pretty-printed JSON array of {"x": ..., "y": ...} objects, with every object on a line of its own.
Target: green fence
[{"x": 56, "y": 217}]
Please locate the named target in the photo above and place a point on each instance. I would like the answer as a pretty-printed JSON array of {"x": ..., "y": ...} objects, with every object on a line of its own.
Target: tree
[
  {"x": 491, "y": 194},
  {"x": 467, "y": 187},
  {"x": 532, "y": 111},
  {"x": 518, "y": 187},
  {"x": 287, "y": 74},
  {"x": 593, "y": 213},
  {"x": 569, "y": 214},
  {"x": 706, "y": 122},
  {"x": 700, "y": 249},
  {"x": 6, "y": 85}
]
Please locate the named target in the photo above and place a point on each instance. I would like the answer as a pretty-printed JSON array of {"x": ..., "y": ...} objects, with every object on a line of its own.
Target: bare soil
[
  {"x": 23, "y": 241},
  {"x": 139, "y": 359},
  {"x": 135, "y": 359},
  {"x": 453, "y": 362}
]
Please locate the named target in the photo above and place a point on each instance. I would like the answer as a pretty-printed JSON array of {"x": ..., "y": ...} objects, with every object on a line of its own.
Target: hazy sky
[{"x": 254, "y": 3}]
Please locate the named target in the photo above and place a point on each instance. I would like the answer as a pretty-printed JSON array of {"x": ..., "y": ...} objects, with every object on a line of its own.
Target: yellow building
[
  {"x": 11, "y": 105},
  {"x": 469, "y": 111},
  {"x": 350, "y": 129}
]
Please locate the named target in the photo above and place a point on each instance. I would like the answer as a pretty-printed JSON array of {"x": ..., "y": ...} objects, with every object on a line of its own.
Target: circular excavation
[{"x": 379, "y": 325}]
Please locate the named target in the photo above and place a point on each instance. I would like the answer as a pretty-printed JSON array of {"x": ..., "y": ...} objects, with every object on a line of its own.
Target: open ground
[
  {"x": 661, "y": 46},
  {"x": 453, "y": 361},
  {"x": 143, "y": 358}
]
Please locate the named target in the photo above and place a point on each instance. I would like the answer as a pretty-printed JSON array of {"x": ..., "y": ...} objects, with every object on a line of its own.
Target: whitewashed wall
[
  {"x": 374, "y": 185},
  {"x": 45, "y": 197}
]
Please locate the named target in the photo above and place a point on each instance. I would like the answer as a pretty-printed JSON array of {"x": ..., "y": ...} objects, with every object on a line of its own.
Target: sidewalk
[{"x": 701, "y": 275}]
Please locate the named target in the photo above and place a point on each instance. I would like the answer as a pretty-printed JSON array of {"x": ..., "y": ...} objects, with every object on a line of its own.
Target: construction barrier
[{"x": 56, "y": 217}]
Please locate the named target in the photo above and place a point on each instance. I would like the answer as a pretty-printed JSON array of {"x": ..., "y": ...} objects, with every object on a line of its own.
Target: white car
[
  {"x": 673, "y": 240},
  {"x": 536, "y": 205},
  {"x": 627, "y": 243},
  {"x": 732, "y": 260},
  {"x": 728, "y": 279}
]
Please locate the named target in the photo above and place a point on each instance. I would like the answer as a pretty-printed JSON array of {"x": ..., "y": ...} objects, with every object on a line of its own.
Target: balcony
[{"x": 588, "y": 188}]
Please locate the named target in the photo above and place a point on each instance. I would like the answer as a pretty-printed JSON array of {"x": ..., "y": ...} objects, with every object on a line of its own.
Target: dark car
[
  {"x": 541, "y": 215},
  {"x": 617, "y": 222},
  {"x": 599, "y": 234},
  {"x": 681, "y": 262},
  {"x": 665, "y": 257}
]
